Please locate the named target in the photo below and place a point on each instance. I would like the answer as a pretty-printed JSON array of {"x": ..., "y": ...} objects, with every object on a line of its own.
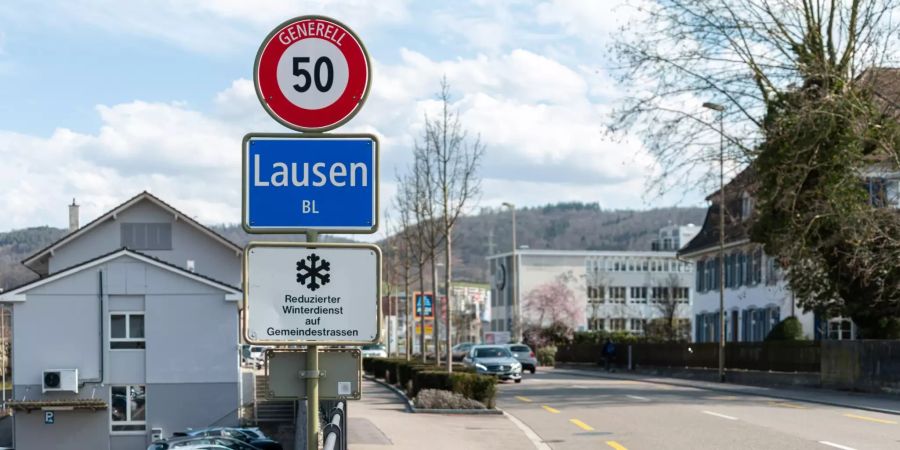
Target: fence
[
  {"x": 334, "y": 432},
  {"x": 869, "y": 366},
  {"x": 803, "y": 356}
]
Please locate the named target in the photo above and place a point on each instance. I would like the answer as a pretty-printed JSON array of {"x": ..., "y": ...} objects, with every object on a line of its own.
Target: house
[
  {"x": 130, "y": 332},
  {"x": 756, "y": 293}
]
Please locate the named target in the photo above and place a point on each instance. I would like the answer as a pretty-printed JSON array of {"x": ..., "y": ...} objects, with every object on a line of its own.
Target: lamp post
[
  {"x": 515, "y": 276},
  {"x": 721, "y": 110}
]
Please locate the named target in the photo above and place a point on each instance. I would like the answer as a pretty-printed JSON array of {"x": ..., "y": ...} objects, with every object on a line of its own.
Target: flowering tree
[{"x": 553, "y": 303}]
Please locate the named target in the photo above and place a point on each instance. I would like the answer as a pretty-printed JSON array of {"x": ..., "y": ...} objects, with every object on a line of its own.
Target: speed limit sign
[{"x": 312, "y": 73}]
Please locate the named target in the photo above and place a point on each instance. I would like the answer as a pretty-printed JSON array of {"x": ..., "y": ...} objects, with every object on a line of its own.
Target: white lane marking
[
  {"x": 832, "y": 444},
  {"x": 720, "y": 415},
  {"x": 638, "y": 397},
  {"x": 536, "y": 440}
]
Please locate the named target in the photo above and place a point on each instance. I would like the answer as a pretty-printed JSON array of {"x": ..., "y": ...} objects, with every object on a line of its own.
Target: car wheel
[
  {"x": 519, "y": 380},
  {"x": 533, "y": 370}
]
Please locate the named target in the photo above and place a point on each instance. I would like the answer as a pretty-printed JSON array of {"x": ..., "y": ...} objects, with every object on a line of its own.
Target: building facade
[
  {"x": 612, "y": 290},
  {"x": 144, "y": 303}
]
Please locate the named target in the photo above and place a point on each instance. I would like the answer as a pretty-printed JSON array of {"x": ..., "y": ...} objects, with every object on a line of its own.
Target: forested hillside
[{"x": 564, "y": 226}]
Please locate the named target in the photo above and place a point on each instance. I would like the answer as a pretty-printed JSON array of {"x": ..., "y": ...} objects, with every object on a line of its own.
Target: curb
[
  {"x": 412, "y": 409},
  {"x": 738, "y": 391}
]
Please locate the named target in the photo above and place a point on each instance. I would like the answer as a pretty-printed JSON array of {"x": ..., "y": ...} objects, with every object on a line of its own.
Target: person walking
[{"x": 609, "y": 353}]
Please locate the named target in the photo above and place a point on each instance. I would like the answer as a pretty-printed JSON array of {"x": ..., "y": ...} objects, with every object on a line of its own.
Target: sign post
[{"x": 312, "y": 74}]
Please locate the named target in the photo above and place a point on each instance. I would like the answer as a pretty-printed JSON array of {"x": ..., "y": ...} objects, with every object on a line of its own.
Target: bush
[
  {"x": 789, "y": 329},
  {"x": 439, "y": 399},
  {"x": 477, "y": 387},
  {"x": 546, "y": 356}
]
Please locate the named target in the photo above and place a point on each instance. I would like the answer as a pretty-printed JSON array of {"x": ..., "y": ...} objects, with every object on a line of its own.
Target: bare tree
[
  {"x": 670, "y": 304},
  {"x": 456, "y": 161},
  {"x": 811, "y": 109},
  {"x": 743, "y": 54}
]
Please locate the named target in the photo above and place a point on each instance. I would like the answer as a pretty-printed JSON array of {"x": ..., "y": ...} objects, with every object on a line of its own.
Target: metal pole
[
  {"x": 722, "y": 212},
  {"x": 515, "y": 280},
  {"x": 312, "y": 383}
]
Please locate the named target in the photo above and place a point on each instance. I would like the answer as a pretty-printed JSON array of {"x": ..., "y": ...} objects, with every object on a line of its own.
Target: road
[{"x": 571, "y": 411}]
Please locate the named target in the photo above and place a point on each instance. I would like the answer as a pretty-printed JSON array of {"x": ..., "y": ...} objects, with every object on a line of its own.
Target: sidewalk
[
  {"x": 868, "y": 402},
  {"x": 380, "y": 421}
]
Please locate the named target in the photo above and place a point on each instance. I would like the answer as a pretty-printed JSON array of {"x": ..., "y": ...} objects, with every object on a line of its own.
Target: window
[
  {"x": 595, "y": 324},
  {"x": 617, "y": 324},
  {"x": 771, "y": 271},
  {"x": 637, "y": 325},
  {"x": 746, "y": 206},
  {"x": 757, "y": 266},
  {"x": 617, "y": 294},
  {"x": 712, "y": 274},
  {"x": 840, "y": 329},
  {"x": 639, "y": 294},
  {"x": 128, "y": 408},
  {"x": 126, "y": 331},
  {"x": 741, "y": 270},
  {"x": 596, "y": 294},
  {"x": 147, "y": 236},
  {"x": 701, "y": 265}
]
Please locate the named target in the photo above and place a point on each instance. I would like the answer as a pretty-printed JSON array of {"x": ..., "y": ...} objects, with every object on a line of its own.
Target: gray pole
[
  {"x": 722, "y": 211},
  {"x": 312, "y": 383}
]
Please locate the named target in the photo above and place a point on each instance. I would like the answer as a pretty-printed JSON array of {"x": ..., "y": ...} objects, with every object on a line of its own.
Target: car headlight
[
  {"x": 517, "y": 367},
  {"x": 480, "y": 366}
]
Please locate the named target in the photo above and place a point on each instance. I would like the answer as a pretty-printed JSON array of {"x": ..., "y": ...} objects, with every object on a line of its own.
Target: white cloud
[{"x": 218, "y": 26}]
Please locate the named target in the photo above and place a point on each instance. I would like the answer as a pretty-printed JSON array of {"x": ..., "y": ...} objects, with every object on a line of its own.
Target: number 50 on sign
[{"x": 312, "y": 73}]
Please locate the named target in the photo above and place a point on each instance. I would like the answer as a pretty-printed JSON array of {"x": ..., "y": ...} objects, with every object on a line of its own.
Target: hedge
[{"x": 414, "y": 376}]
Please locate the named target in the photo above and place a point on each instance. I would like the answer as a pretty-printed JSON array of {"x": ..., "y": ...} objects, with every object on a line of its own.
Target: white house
[{"x": 131, "y": 330}]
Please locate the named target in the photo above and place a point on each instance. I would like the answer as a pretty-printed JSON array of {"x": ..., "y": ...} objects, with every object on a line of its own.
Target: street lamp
[
  {"x": 721, "y": 110},
  {"x": 514, "y": 279}
]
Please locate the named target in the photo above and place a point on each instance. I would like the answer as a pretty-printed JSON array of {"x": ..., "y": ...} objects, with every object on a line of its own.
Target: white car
[{"x": 374, "y": 351}]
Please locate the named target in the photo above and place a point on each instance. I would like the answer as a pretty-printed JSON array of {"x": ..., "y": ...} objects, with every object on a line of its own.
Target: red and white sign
[{"x": 312, "y": 73}]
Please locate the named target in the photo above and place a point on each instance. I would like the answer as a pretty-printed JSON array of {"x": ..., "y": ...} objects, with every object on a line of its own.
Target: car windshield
[
  {"x": 491, "y": 352},
  {"x": 373, "y": 347},
  {"x": 520, "y": 348}
]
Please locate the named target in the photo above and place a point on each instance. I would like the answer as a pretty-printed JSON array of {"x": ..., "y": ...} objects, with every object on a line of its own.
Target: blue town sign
[{"x": 298, "y": 183}]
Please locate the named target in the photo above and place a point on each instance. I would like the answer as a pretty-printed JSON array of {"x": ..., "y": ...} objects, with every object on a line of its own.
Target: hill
[{"x": 563, "y": 226}]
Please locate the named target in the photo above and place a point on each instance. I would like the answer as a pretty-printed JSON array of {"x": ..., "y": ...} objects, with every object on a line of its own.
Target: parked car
[
  {"x": 494, "y": 360},
  {"x": 374, "y": 351},
  {"x": 525, "y": 356},
  {"x": 460, "y": 350},
  {"x": 184, "y": 442},
  {"x": 252, "y": 436}
]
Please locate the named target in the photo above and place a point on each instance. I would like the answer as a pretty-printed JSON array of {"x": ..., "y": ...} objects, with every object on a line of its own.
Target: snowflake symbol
[{"x": 316, "y": 273}]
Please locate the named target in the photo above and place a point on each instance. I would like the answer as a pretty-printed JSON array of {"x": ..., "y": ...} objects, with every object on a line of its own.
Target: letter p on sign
[{"x": 49, "y": 417}]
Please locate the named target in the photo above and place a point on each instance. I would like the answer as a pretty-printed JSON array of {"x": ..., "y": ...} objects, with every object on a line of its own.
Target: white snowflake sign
[{"x": 311, "y": 293}]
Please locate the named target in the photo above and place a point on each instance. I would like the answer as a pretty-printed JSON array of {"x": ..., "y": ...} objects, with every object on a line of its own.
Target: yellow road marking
[
  {"x": 870, "y": 419},
  {"x": 582, "y": 425},
  {"x": 615, "y": 445},
  {"x": 524, "y": 399},
  {"x": 549, "y": 409},
  {"x": 787, "y": 405}
]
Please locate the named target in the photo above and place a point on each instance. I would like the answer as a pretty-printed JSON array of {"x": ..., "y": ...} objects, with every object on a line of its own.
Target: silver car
[
  {"x": 524, "y": 355},
  {"x": 494, "y": 360}
]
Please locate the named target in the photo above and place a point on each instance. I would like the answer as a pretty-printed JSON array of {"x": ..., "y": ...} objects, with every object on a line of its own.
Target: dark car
[
  {"x": 191, "y": 441},
  {"x": 524, "y": 355},
  {"x": 459, "y": 351},
  {"x": 252, "y": 436}
]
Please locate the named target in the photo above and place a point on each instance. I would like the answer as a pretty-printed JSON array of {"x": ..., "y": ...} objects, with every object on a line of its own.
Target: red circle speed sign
[{"x": 312, "y": 73}]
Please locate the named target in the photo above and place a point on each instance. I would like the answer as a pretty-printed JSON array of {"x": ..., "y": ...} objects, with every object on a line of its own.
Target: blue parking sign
[
  {"x": 49, "y": 417},
  {"x": 298, "y": 183}
]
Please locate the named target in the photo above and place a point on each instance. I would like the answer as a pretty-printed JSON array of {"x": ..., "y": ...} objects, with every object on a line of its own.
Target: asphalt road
[{"x": 568, "y": 411}]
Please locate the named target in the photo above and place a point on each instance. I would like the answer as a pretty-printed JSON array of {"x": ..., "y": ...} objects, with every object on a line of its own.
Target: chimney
[{"x": 73, "y": 216}]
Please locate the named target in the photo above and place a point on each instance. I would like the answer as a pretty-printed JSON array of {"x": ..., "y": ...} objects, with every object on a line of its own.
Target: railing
[{"x": 335, "y": 430}]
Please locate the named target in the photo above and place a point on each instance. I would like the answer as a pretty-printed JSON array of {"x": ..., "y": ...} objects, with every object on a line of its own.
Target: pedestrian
[{"x": 609, "y": 353}]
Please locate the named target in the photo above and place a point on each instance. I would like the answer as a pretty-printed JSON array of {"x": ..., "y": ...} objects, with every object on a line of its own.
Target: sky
[{"x": 102, "y": 99}]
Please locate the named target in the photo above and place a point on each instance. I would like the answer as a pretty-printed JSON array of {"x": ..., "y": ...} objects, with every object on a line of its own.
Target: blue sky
[{"x": 104, "y": 98}]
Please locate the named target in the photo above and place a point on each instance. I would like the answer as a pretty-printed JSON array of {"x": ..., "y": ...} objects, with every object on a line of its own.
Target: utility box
[{"x": 340, "y": 373}]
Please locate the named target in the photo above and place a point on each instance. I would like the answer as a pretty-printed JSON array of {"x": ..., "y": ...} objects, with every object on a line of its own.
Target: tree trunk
[
  {"x": 422, "y": 315},
  {"x": 436, "y": 309},
  {"x": 407, "y": 313},
  {"x": 447, "y": 287}
]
